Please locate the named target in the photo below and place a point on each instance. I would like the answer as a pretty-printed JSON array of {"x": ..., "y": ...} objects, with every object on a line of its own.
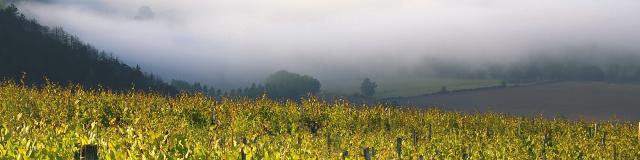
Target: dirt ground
[{"x": 573, "y": 100}]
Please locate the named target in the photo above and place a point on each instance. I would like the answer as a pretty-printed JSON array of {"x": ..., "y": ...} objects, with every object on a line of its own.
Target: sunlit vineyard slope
[{"x": 53, "y": 122}]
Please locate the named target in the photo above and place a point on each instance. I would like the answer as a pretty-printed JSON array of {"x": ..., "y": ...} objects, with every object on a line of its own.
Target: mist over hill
[
  {"x": 30, "y": 52},
  {"x": 236, "y": 43}
]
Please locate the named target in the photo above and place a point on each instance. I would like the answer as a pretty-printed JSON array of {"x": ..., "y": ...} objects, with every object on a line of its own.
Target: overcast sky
[{"x": 243, "y": 40}]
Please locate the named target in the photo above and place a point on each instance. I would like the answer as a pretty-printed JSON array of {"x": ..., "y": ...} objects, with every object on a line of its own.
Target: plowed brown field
[{"x": 574, "y": 100}]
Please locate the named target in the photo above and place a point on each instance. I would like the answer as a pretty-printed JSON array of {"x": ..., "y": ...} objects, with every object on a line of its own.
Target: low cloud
[
  {"x": 145, "y": 13},
  {"x": 224, "y": 42}
]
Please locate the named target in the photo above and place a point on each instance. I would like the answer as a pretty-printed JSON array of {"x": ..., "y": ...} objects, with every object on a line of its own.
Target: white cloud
[{"x": 209, "y": 39}]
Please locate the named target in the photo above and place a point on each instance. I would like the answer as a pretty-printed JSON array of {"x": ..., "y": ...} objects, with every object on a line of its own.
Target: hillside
[
  {"x": 59, "y": 121},
  {"x": 30, "y": 51}
]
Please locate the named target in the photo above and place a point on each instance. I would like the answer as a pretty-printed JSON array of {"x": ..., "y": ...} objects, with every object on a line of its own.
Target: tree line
[
  {"x": 36, "y": 54},
  {"x": 31, "y": 52},
  {"x": 581, "y": 65},
  {"x": 279, "y": 85}
]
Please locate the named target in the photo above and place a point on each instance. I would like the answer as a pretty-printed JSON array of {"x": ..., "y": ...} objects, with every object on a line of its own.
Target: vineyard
[{"x": 54, "y": 122}]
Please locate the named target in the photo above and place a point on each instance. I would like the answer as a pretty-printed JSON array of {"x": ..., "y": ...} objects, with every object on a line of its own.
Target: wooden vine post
[
  {"x": 545, "y": 143},
  {"x": 414, "y": 140},
  {"x": 595, "y": 129},
  {"x": 89, "y": 152},
  {"x": 366, "y": 153},
  {"x": 399, "y": 147},
  {"x": 345, "y": 154},
  {"x": 615, "y": 152},
  {"x": 465, "y": 154},
  {"x": 604, "y": 139},
  {"x": 243, "y": 156},
  {"x": 430, "y": 132}
]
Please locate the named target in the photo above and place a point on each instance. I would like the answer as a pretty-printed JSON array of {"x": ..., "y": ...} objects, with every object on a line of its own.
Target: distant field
[
  {"x": 591, "y": 100},
  {"x": 405, "y": 87}
]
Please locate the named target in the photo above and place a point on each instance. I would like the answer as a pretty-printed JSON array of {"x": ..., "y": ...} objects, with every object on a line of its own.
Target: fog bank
[{"x": 234, "y": 42}]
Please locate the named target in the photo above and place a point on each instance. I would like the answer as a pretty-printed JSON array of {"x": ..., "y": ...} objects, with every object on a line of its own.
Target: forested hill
[{"x": 39, "y": 51}]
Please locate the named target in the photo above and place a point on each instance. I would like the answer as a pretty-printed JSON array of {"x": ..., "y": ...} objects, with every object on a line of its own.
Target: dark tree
[
  {"x": 368, "y": 88},
  {"x": 196, "y": 87},
  {"x": 253, "y": 91},
  {"x": 591, "y": 73},
  {"x": 212, "y": 92},
  {"x": 219, "y": 93},
  {"x": 287, "y": 85},
  {"x": 239, "y": 92}
]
